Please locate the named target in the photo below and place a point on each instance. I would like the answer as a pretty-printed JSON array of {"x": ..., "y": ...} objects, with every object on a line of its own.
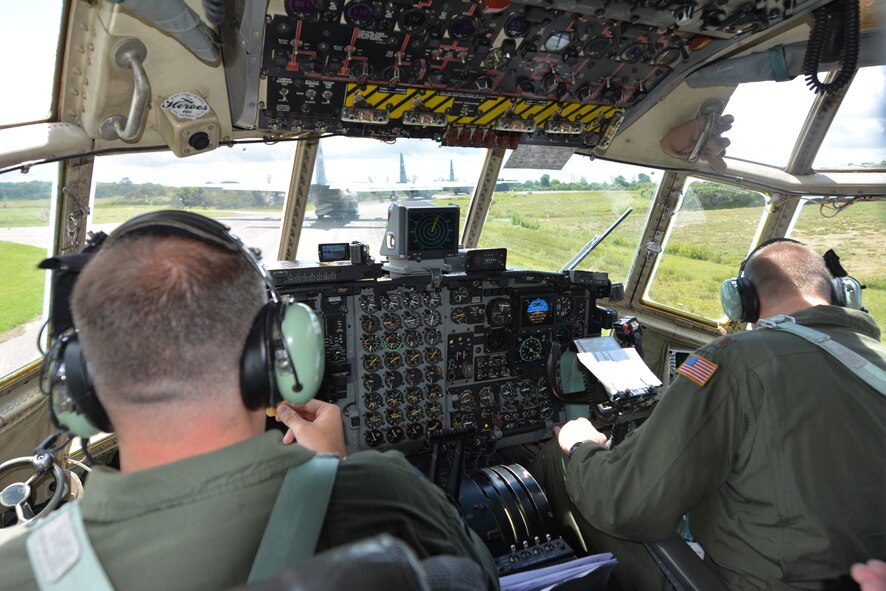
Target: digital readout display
[{"x": 537, "y": 310}]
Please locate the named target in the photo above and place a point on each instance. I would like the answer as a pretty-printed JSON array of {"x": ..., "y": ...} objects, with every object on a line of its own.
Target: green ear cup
[{"x": 302, "y": 336}]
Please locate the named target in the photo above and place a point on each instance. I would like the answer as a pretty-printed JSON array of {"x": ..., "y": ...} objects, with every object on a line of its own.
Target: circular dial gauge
[
  {"x": 394, "y": 416},
  {"x": 359, "y": 13},
  {"x": 372, "y": 401},
  {"x": 517, "y": 26},
  {"x": 371, "y": 362},
  {"x": 563, "y": 335},
  {"x": 508, "y": 392},
  {"x": 434, "y": 409},
  {"x": 369, "y": 324},
  {"x": 411, "y": 320},
  {"x": 390, "y": 302},
  {"x": 486, "y": 396},
  {"x": 300, "y": 9},
  {"x": 530, "y": 349},
  {"x": 371, "y": 342},
  {"x": 564, "y": 306},
  {"x": 542, "y": 388},
  {"x": 526, "y": 389},
  {"x": 432, "y": 299},
  {"x": 414, "y": 431},
  {"x": 415, "y": 413},
  {"x": 373, "y": 438},
  {"x": 412, "y": 338},
  {"x": 412, "y": 20},
  {"x": 373, "y": 420},
  {"x": 412, "y": 357},
  {"x": 369, "y": 304},
  {"x": 466, "y": 400},
  {"x": 371, "y": 382},
  {"x": 500, "y": 312},
  {"x": 433, "y": 392},
  {"x": 433, "y": 373},
  {"x": 393, "y": 398},
  {"x": 390, "y": 321},
  {"x": 462, "y": 27},
  {"x": 393, "y": 360},
  {"x": 558, "y": 41},
  {"x": 431, "y": 318},
  {"x": 546, "y": 408},
  {"x": 393, "y": 341},
  {"x": 433, "y": 355},
  {"x": 434, "y": 425},
  {"x": 598, "y": 47},
  {"x": 414, "y": 395},
  {"x": 432, "y": 336},
  {"x": 412, "y": 300},
  {"x": 459, "y": 315},
  {"x": 413, "y": 376},
  {"x": 393, "y": 379},
  {"x": 459, "y": 296},
  {"x": 395, "y": 434}
]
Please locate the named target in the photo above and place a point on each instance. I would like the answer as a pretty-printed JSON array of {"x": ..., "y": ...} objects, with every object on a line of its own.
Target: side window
[
  {"x": 708, "y": 238},
  {"x": 857, "y": 235},
  {"x": 25, "y": 240}
]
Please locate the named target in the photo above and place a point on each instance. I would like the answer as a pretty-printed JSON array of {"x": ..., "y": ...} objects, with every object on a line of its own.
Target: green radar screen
[{"x": 432, "y": 231}]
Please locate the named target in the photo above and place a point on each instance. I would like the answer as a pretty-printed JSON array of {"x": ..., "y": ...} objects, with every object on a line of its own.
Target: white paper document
[
  {"x": 619, "y": 370},
  {"x": 597, "y": 567}
]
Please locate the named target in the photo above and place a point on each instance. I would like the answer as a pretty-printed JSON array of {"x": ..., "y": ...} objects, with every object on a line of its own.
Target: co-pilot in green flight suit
[
  {"x": 775, "y": 450},
  {"x": 196, "y": 523}
]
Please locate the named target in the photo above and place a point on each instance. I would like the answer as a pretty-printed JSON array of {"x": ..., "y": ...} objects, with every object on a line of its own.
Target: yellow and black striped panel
[{"x": 468, "y": 109}]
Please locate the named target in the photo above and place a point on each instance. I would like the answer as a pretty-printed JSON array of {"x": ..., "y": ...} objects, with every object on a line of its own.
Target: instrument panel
[
  {"x": 406, "y": 358},
  {"x": 492, "y": 74}
]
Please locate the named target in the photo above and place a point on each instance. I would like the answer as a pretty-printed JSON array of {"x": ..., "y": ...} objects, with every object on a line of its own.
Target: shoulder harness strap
[
  {"x": 297, "y": 518},
  {"x": 62, "y": 556},
  {"x": 861, "y": 367}
]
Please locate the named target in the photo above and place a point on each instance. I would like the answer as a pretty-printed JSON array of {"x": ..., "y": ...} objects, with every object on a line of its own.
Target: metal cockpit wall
[{"x": 492, "y": 75}]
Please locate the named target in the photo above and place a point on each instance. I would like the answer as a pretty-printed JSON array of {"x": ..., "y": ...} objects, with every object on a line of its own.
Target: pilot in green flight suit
[
  {"x": 162, "y": 321},
  {"x": 771, "y": 446}
]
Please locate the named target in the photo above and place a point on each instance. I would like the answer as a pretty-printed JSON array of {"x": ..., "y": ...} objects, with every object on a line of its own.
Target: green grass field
[
  {"x": 544, "y": 230},
  {"x": 22, "y": 281}
]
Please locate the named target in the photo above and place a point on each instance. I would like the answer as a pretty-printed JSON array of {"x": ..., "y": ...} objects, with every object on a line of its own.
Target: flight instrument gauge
[
  {"x": 412, "y": 357},
  {"x": 434, "y": 409},
  {"x": 371, "y": 342},
  {"x": 372, "y": 401},
  {"x": 412, "y": 338},
  {"x": 415, "y": 413},
  {"x": 371, "y": 382},
  {"x": 373, "y": 420},
  {"x": 412, "y": 300},
  {"x": 393, "y": 341},
  {"x": 414, "y": 395},
  {"x": 530, "y": 349},
  {"x": 369, "y": 304},
  {"x": 435, "y": 425},
  {"x": 500, "y": 312},
  {"x": 431, "y": 318},
  {"x": 359, "y": 13},
  {"x": 393, "y": 379},
  {"x": 432, "y": 336},
  {"x": 433, "y": 392},
  {"x": 486, "y": 396},
  {"x": 393, "y": 398},
  {"x": 459, "y": 315},
  {"x": 390, "y": 321},
  {"x": 394, "y": 416},
  {"x": 414, "y": 431},
  {"x": 413, "y": 376},
  {"x": 459, "y": 296},
  {"x": 371, "y": 362},
  {"x": 374, "y": 438},
  {"x": 411, "y": 320},
  {"x": 390, "y": 302},
  {"x": 300, "y": 9},
  {"x": 433, "y": 373},
  {"x": 432, "y": 299},
  {"x": 395, "y": 434},
  {"x": 393, "y": 360},
  {"x": 433, "y": 355},
  {"x": 369, "y": 324}
]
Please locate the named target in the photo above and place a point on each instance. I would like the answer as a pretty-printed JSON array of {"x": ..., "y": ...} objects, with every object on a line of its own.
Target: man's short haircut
[
  {"x": 162, "y": 317},
  {"x": 786, "y": 269}
]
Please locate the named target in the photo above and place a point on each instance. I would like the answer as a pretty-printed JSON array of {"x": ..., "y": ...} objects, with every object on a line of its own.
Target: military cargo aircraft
[{"x": 446, "y": 319}]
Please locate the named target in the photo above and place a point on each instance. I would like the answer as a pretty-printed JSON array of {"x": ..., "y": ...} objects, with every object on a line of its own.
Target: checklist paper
[{"x": 621, "y": 371}]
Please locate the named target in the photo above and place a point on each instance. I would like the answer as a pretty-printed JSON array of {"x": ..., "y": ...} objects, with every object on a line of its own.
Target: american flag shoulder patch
[{"x": 698, "y": 369}]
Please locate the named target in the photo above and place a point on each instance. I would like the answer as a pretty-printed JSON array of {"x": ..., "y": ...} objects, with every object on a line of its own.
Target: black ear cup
[{"x": 256, "y": 363}]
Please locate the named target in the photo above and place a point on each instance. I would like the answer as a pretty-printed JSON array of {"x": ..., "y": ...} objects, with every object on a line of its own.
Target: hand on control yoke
[
  {"x": 575, "y": 431},
  {"x": 315, "y": 425}
]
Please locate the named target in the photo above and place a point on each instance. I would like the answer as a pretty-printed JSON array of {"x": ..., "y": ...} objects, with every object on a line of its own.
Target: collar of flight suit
[{"x": 838, "y": 317}]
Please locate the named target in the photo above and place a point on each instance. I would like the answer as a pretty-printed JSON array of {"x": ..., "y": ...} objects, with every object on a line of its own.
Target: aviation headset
[
  {"x": 741, "y": 302},
  {"x": 283, "y": 357}
]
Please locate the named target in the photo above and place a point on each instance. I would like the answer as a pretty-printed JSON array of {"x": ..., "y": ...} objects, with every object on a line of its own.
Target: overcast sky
[{"x": 768, "y": 117}]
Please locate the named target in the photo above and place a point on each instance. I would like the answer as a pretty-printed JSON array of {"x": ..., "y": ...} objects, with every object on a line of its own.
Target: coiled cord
[{"x": 817, "y": 41}]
